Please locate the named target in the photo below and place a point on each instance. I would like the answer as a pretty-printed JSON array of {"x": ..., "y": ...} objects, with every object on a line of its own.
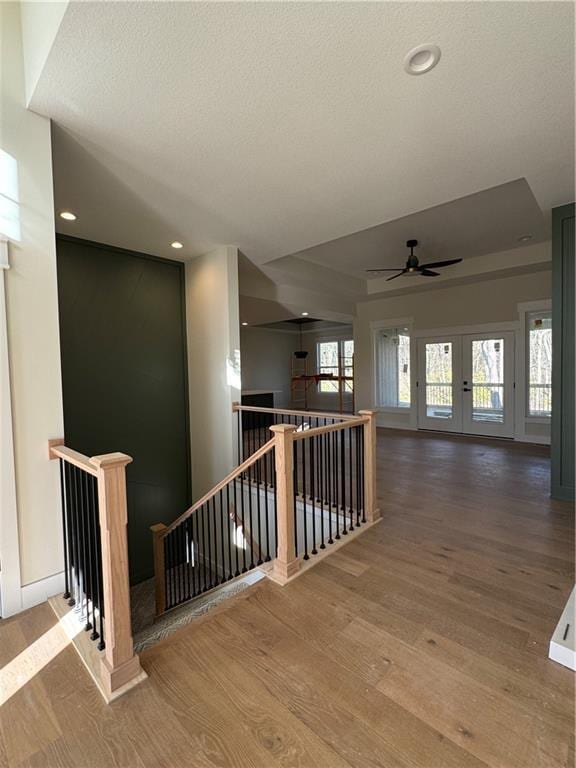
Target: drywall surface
[
  {"x": 40, "y": 24},
  {"x": 32, "y": 317},
  {"x": 212, "y": 320},
  {"x": 266, "y": 356}
]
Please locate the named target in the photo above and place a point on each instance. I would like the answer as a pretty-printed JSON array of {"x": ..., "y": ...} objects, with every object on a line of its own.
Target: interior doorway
[{"x": 466, "y": 383}]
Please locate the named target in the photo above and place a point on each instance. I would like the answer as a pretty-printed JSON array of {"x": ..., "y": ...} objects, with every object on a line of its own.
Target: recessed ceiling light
[
  {"x": 305, "y": 314},
  {"x": 421, "y": 59},
  {"x": 244, "y": 323},
  {"x": 176, "y": 244},
  {"x": 68, "y": 215},
  {"x": 525, "y": 238}
]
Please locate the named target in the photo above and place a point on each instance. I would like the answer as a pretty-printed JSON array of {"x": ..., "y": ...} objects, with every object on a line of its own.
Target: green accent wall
[
  {"x": 124, "y": 376},
  {"x": 563, "y": 319}
]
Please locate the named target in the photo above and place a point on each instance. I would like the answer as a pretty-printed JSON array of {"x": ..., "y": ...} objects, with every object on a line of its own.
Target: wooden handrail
[
  {"x": 60, "y": 451},
  {"x": 222, "y": 484},
  {"x": 304, "y": 433},
  {"x": 288, "y": 412}
]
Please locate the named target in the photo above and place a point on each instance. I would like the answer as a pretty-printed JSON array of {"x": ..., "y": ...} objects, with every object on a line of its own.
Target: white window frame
[
  {"x": 340, "y": 340},
  {"x": 522, "y": 373},
  {"x": 375, "y": 327}
]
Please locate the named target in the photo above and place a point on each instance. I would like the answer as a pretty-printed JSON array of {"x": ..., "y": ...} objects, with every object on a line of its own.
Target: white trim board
[
  {"x": 10, "y": 583},
  {"x": 39, "y": 591},
  {"x": 563, "y": 650}
]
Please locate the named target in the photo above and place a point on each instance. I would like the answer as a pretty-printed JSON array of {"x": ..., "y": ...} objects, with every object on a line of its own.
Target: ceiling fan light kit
[{"x": 413, "y": 267}]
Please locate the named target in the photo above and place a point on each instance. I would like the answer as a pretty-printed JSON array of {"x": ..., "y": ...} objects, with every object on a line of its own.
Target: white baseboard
[
  {"x": 39, "y": 591},
  {"x": 563, "y": 642}
]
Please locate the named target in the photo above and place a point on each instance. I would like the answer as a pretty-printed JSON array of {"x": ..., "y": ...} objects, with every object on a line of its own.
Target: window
[
  {"x": 393, "y": 368},
  {"x": 335, "y": 358},
  {"x": 539, "y": 333}
]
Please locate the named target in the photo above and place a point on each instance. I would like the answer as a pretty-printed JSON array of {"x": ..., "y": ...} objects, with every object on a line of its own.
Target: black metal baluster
[
  {"x": 304, "y": 497},
  {"x": 66, "y": 594},
  {"x": 213, "y": 545},
  {"x": 193, "y": 555},
  {"x": 295, "y": 459},
  {"x": 313, "y": 492},
  {"x": 321, "y": 485},
  {"x": 81, "y": 544},
  {"x": 250, "y": 518},
  {"x": 229, "y": 530},
  {"x": 204, "y": 550},
  {"x": 100, "y": 586},
  {"x": 336, "y": 483},
  {"x": 350, "y": 502},
  {"x": 259, "y": 512},
  {"x": 95, "y": 525},
  {"x": 362, "y": 480},
  {"x": 266, "y": 510},
  {"x": 329, "y": 484},
  {"x": 89, "y": 554},
  {"x": 243, "y": 525},
  {"x": 273, "y": 452},
  {"x": 223, "y": 534},
  {"x": 357, "y": 473},
  {"x": 343, "y": 480},
  {"x": 235, "y": 529}
]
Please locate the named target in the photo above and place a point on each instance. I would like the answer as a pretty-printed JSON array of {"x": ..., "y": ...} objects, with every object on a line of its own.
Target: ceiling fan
[{"x": 413, "y": 267}]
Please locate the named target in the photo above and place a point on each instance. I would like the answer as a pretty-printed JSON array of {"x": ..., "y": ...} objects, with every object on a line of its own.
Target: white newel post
[{"x": 10, "y": 585}]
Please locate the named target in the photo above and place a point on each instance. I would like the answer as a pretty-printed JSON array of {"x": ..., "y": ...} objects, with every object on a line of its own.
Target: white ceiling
[
  {"x": 487, "y": 222},
  {"x": 279, "y": 126}
]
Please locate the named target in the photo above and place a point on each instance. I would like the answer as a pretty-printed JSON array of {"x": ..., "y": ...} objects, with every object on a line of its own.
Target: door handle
[{"x": 466, "y": 389}]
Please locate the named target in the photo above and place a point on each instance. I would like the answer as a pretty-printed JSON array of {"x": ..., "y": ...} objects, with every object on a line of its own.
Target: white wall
[
  {"x": 212, "y": 319},
  {"x": 32, "y": 318},
  {"x": 477, "y": 303},
  {"x": 266, "y": 361}
]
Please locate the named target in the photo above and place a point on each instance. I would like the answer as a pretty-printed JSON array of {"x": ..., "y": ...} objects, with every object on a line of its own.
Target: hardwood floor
[{"x": 423, "y": 643}]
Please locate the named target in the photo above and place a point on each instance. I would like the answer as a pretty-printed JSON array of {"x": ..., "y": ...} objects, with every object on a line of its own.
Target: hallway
[{"x": 421, "y": 643}]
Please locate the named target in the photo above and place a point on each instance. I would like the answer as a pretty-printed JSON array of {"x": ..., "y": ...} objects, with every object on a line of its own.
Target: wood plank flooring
[{"x": 421, "y": 644}]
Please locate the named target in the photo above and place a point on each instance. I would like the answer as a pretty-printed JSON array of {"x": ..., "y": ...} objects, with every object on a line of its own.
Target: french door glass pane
[
  {"x": 488, "y": 380},
  {"x": 439, "y": 380}
]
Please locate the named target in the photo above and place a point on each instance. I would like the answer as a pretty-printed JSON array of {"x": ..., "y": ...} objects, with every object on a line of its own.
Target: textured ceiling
[{"x": 279, "y": 126}]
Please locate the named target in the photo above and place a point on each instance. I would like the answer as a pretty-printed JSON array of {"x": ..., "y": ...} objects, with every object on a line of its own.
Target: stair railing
[
  {"x": 229, "y": 531},
  {"x": 306, "y": 488},
  {"x": 96, "y": 580}
]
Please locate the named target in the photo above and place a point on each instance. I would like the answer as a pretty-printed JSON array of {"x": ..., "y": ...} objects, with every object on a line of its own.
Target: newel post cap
[
  {"x": 283, "y": 428},
  {"x": 109, "y": 460}
]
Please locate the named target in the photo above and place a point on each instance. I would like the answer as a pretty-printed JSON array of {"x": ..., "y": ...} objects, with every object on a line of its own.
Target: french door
[{"x": 466, "y": 384}]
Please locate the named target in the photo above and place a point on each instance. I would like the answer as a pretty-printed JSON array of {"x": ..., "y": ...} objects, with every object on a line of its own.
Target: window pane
[
  {"x": 328, "y": 363},
  {"x": 488, "y": 380},
  {"x": 439, "y": 380},
  {"x": 539, "y": 364},
  {"x": 348, "y": 363},
  {"x": 393, "y": 368}
]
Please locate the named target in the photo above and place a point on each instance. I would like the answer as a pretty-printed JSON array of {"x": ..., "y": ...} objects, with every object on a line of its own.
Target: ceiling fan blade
[
  {"x": 394, "y": 276},
  {"x": 429, "y": 273},
  {"x": 434, "y": 264},
  {"x": 382, "y": 270}
]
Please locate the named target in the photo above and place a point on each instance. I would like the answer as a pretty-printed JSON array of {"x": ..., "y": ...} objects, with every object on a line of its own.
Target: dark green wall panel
[
  {"x": 563, "y": 320},
  {"x": 124, "y": 375}
]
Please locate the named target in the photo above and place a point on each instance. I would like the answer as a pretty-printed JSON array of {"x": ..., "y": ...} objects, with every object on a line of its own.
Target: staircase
[{"x": 305, "y": 485}]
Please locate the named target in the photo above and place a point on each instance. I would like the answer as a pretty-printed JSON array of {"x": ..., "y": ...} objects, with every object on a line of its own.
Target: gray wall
[{"x": 266, "y": 361}]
